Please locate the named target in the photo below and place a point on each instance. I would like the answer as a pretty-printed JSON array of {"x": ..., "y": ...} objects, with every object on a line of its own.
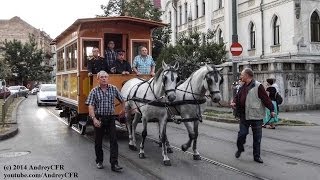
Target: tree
[
  {"x": 114, "y": 8},
  {"x": 25, "y": 61},
  {"x": 141, "y": 9},
  {"x": 191, "y": 51}
]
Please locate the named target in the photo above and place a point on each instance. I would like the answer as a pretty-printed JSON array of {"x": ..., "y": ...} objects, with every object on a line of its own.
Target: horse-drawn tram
[{"x": 74, "y": 48}]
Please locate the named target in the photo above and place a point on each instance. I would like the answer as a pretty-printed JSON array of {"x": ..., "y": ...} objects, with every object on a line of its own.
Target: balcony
[
  {"x": 315, "y": 47},
  {"x": 218, "y": 13}
]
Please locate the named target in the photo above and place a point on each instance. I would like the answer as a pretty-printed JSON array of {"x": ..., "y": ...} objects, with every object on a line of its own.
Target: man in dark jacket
[
  {"x": 250, "y": 103},
  {"x": 96, "y": 63},
  {"x": 121, "y": 65}
]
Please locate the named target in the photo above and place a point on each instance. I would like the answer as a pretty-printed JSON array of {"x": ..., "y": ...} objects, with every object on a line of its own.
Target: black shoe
[
  {"x": 238, "y": 153},
  {"x": 116, "y": 168},
  {"x": 258, "y": 159},
  {"x": 99, "y": 165}
]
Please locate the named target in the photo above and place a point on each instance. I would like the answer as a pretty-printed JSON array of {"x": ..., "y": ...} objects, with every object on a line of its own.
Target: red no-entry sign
[{"x": 236, "y": 49}]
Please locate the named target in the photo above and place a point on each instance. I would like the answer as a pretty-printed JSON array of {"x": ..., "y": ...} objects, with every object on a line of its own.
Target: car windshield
[
  {"x": 48, "y": 88},
  {"x": 14, "y": 87}
]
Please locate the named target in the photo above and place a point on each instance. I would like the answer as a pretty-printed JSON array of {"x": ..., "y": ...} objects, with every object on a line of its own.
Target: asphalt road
[{"x": 44, "y": 140}]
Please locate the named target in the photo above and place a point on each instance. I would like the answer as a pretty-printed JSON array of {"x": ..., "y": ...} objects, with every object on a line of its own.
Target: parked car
[
  {"x": 21, "y": 90},
  {"x": 34, "y": 90},
  {"x": 47, "y": 94},
  {"x": 4, "y": 92}
]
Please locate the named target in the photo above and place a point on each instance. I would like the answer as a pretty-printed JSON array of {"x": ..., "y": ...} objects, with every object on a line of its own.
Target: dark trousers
[
  {"x": 256, "y": 126},
  {"x": 107, "y": 124}
]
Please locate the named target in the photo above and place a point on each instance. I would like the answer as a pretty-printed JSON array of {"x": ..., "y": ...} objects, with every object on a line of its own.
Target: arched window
[
  {"x": 197, "y": 9},
  {"x": 220, "y": 4},
  {"x": 220, "y": 40},
  {"x": 276, "y": 31},
  {"x": 252, "y": 36},
  {"x": 315, "y": 27}
]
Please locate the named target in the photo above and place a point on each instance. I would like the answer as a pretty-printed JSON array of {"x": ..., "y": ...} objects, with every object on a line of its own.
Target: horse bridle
[
  {"x": 209, "y": 81},
  {"x": 172, "y": 70}
]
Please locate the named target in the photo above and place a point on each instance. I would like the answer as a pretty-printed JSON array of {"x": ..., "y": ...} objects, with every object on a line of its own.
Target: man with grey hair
[
  {"x": 250, "y": 103},
  {"x": 101, "y": 110},
  {"x": 143, "y": 63}
]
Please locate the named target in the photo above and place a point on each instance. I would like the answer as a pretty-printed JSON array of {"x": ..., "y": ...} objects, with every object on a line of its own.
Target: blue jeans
[{"x": 256, "y": 126}]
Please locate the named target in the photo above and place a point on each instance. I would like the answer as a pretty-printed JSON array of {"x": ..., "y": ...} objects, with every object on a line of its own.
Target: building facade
[
  {"x": 16, "y": 28},
  {"x": 280, "y": 39}
]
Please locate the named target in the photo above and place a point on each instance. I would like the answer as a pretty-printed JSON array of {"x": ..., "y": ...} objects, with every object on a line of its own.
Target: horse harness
[
  {"x": 155, "y": 102},
  {"x": 198, "y": 102}
]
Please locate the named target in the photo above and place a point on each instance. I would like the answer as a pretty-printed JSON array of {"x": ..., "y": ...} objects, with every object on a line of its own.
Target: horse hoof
[
  {"x": 133, "y": 148},
  {"x": 169, "y": 150},
  {"x": 184, "y": 147},
  {"x": 196, "y": 157},
  {"x": 167, "y": 163},
  {"x": 142, "y": 156}
]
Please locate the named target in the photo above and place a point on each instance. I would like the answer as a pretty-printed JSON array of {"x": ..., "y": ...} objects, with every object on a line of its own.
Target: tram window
[
  {"x": 71, "y": 59},
  {"x": 136, "y": 47},
  {"x": 60, "y": 60},
  {"x": 87, "y": 50}
]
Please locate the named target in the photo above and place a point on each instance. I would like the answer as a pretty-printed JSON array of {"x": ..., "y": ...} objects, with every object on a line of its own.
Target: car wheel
[{"x": 26, "y": 96}]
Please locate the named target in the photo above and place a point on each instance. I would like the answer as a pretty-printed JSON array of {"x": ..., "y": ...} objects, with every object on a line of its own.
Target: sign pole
[{"x": 234, "y": 40}]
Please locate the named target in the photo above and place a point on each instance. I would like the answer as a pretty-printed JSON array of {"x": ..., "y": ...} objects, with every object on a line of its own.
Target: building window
[
  {"x": 252, "y": 36},
  {"x": 203, "y": 7},
  {"x": 170, "y": 20},
  {"x": 197, "y": 9},
  {"x": 180, "y": 14},
  {"x": 276, "y": 31},
  {"x": 315, "y": 27},
  {"x": 185, "y": 12},
  {"x": 220, "y": 37},
  {"x": 220, "y": 4}
]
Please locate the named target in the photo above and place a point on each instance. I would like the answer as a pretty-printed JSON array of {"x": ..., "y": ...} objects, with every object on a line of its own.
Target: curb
[
  {"x": 14, "y": 126},
  {"x": 12, "y": 132},
  {"x": 220, "y": 119},
  {"x": 234, "y": 121}
]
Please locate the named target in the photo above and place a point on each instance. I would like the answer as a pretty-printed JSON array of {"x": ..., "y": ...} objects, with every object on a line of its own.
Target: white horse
[
  {"x": 190, "y": 102},
  {"x": 146, "y": 100}
]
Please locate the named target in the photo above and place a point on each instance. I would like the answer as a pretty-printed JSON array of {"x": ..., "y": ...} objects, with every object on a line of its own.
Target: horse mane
[{"x": 157, "y": 75}]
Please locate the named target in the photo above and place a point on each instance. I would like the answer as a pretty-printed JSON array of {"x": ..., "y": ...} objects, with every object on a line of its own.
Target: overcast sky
[{"x": 51, "y": 16}]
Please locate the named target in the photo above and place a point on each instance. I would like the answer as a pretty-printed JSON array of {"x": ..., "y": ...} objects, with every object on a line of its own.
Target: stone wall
[{"x": 298, "y": 81}]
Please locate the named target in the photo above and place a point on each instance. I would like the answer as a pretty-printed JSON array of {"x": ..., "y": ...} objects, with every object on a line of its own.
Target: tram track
[
  {"x": 152, "y": 175},
  {"x": 149, "y": 174},
  {"x": 249, "y": 146},
  {"x": 269, "y": 137}
]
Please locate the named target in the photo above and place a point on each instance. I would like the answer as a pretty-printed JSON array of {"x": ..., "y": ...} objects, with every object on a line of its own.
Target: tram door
[{"x": 116, "y": 38}]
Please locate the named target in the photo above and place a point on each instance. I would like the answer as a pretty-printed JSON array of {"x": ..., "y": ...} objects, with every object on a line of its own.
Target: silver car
[{"x": 47, "y": 95}]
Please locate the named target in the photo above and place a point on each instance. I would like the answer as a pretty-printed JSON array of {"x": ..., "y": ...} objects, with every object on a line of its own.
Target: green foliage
[
  {"x": 141, "y": 9},
  {"x": 25, "y": 61},
  {"x": 191, "y": 51},
  {"x": 114, "y": 8}
]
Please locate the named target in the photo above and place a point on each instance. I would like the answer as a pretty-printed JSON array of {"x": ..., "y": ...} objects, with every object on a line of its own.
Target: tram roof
[{"x": 151, "y": 24}]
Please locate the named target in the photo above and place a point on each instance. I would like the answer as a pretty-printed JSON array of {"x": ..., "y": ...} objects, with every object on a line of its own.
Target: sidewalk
[
  {"x": 12, "y": 128},
  {"x": 310, "y": 116}
]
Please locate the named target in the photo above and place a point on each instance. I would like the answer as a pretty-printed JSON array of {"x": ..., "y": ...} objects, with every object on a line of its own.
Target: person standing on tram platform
[
  {"x": 101, "y": 108},
  {"x": 250, "y": 103},
  {"x": 96, "y": 63},
  {"x": 121, "y": 65},
  {"x": 143, "y": 63},
  {"x": 110, "y": 54}
]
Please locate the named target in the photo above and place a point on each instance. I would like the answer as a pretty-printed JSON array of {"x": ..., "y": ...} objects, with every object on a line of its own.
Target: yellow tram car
[{"x": 74, "y": 47}]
